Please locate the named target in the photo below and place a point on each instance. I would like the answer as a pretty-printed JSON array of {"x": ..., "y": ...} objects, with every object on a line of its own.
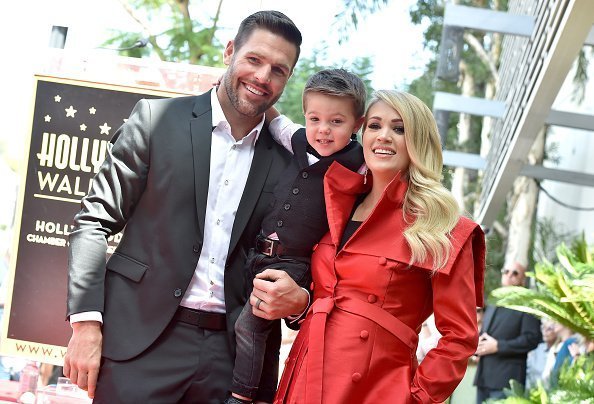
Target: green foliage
[
  {"x": 425, "y": 86},
  {"x": 185, "y": 38},
  {"x": 564, "y": 291},
  {"x": 495, "y": 256},
  {"x": 432, "y": 10},
  {"x": 290, "y": 102},
  {"x": 515, "y": 393},
  {"x": 352, "y": 12},
  {"x": 580, "y": 78},
  {"x": 551, "y": 152},
  {"x": 363, "y": 67},
  {"x": 123, "y": 40},
  {"x": 575, "y": 385},
  {"x": 422, "y": 87},
  {"x": 548, "y": 234}
]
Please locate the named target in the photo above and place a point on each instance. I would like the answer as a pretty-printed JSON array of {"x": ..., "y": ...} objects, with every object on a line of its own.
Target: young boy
[{"x": 334, "y": 107}]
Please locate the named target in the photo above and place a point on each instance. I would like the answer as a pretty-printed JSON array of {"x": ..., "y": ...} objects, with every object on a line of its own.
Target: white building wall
[{"x": 575, "y": 148}]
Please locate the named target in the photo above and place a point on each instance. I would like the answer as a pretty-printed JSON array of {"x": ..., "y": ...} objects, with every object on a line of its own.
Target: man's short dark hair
[
  {"x": 270, "y": 20},
  {"x": 338, "y": 83}
]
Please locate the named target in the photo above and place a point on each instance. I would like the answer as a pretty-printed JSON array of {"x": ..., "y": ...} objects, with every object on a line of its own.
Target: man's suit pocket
[{"x": 126, "y": 266}]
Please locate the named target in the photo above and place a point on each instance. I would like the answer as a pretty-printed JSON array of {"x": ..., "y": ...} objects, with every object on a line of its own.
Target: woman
[{"x": 397, "y": 251}]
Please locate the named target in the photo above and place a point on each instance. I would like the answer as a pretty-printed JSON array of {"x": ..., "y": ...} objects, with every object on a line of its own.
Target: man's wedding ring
[{"x": 258, "y": 303}]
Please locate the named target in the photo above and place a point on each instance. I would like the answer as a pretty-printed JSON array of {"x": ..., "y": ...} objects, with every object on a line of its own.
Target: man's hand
[
  {"x": 83, "y": 357},
  {"x": 279, "y": 294},
  {"x": 487, "y": 345}
]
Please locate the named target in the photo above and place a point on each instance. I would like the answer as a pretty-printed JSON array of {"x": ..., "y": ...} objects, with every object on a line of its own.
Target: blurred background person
[
  {"x": 560, "y": 353},
  {"x": 537, "y": 358},
  {"x": 506, "y": 338}
]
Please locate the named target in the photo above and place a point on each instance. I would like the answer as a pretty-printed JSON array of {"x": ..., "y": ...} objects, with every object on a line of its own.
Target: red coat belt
[{"x": 319, "y": 312}]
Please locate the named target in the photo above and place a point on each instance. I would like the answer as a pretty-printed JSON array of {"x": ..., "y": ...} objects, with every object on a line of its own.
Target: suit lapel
[
  {"x": 201, "y": 132},
  {"x": 488, "y": 317},
  {"x": 253, "y": 187}
]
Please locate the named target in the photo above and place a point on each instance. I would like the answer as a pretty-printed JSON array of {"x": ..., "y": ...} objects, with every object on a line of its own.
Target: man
[
  {"x": 191, "y": 179},
  {"x": 505, "y": 340}
]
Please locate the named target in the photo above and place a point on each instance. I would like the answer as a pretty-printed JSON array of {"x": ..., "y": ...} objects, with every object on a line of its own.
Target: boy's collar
[{"x": 309, "y": 148}]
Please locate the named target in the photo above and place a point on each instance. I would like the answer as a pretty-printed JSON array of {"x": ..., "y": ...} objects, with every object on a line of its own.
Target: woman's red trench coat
[{"x": 358, "y": 341}]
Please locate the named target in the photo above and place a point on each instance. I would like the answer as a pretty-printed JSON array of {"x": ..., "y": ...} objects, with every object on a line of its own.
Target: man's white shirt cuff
[
  {"x": 86, "y": 316},
  {"x": 297, "y": 317}
]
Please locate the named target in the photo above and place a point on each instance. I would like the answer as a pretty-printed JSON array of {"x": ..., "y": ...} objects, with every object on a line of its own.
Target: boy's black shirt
[{"x": 298, "y": 211}]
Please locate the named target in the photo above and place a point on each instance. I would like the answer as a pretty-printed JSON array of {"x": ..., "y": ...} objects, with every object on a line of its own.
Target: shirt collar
[{"x": 218, "y": 117}]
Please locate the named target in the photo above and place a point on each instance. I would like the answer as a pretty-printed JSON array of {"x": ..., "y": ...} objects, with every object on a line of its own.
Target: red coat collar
[
  {"x": 383, "y": 228},
  {"x": 342, "y": 187}
]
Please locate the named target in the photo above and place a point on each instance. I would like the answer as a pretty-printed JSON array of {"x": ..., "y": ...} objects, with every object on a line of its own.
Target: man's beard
[{"x": 244, "y": 107}]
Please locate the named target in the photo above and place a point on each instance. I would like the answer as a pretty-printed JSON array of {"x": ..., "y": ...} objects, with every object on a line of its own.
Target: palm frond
[
  {"x": 574, "y": 385},
  {"x": 564, "y": 291}
]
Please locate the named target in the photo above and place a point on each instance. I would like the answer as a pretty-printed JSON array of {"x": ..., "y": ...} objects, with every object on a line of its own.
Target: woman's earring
[{"x": 365, "y": 176}]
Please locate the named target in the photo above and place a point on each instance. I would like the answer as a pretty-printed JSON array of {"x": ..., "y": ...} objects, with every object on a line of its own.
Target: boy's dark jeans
[{"x": 252, "y": 331}]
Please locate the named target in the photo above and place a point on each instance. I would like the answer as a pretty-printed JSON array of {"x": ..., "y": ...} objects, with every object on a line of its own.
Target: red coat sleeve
[{"x": 454, "y": 305}]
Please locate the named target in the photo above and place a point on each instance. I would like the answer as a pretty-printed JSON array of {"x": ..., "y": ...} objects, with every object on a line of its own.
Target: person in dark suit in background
[
  {"x": 506, "y": 338},
  {"x": 190, "y": 178}
]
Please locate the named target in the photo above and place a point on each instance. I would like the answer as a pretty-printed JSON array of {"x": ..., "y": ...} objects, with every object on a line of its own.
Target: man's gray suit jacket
[{"x": 154, "y": 182}]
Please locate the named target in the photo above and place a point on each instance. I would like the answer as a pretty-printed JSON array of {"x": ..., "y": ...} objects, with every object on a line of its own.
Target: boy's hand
[{"x": 270, "y": 114}]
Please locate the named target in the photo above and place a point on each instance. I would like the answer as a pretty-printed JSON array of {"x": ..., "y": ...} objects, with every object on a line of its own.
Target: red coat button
[
  {"x": 382, "y": 260},
  {"x": 372, "y": 298},
  {"x": 364, "y": 334},
  {"x": 356, "y": 377}
]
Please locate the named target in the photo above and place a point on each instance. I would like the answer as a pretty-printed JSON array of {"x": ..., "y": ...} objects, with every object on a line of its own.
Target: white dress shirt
[{"x": 230, "y": 163}]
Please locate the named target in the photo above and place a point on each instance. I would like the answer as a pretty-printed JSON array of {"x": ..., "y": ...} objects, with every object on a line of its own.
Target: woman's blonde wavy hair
[{"x": 429, "y": 208}]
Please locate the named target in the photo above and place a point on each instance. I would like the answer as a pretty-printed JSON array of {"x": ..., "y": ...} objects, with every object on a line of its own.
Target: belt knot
[{"x": 323, "y": 305}]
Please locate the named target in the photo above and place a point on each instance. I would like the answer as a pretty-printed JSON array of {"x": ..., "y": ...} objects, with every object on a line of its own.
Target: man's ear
[{"x": 228, "y": 54}]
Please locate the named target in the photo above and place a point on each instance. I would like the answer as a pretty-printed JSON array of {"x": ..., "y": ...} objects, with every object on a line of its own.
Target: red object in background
[{"x": 9, "y": 391}]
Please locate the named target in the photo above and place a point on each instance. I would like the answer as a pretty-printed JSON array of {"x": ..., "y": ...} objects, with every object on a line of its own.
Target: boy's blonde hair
[{"x": 429, "y": 208}]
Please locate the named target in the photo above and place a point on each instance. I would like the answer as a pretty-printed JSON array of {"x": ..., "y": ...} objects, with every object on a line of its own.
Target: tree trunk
[
  {"x": 460, "y": 175},
  {"x": 522, "y": 207}
]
